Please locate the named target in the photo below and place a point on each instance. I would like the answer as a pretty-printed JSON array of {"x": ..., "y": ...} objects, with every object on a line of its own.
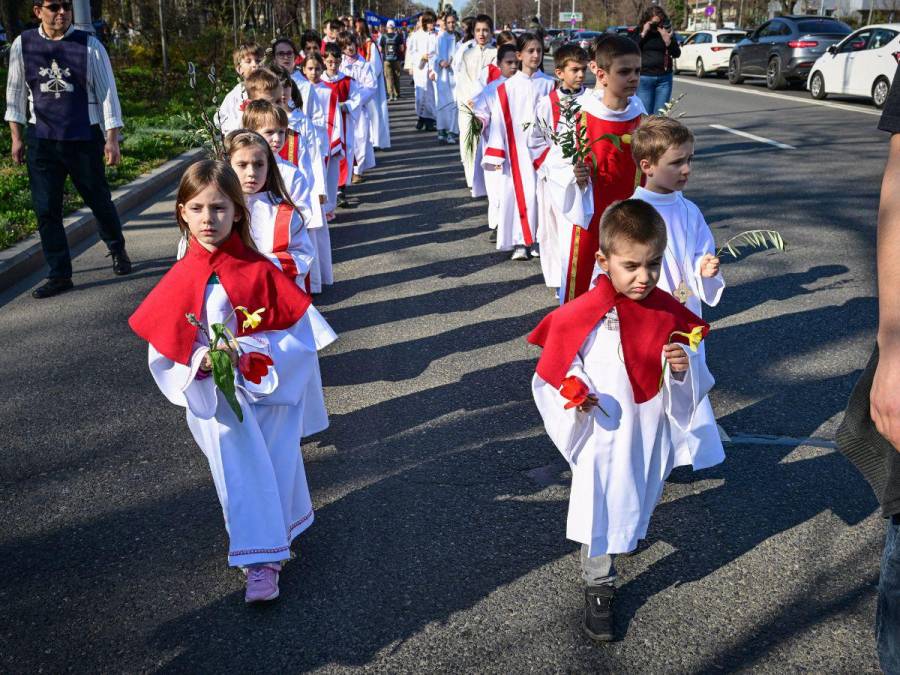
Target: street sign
[
  {"x": 710, "y": 10},
  {"x": 571, "y": 16}
]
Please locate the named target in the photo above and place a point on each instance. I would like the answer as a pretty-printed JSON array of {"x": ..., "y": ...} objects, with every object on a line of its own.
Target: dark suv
[{"x": 784, "y": 49}]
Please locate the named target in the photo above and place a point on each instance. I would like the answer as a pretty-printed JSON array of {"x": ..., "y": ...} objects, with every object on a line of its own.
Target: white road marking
[
  {"x": 784, "y": 97},
  {"x": 753, "y": 137}
]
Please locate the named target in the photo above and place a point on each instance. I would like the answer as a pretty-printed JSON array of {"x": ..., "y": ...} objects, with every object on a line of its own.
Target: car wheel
[
  {"x": 734, "y": 70},
  {"x": 817, "y": 86},
  {"x": 774, "y": 76},
  {"x": 880, "y": 91},
  {"x": 701, "y": 71}
]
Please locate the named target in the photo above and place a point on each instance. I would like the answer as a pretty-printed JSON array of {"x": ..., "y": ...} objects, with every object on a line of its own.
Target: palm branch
[
  {"x": 473, "y": 132},
  {"x": 760, "y": 239}
]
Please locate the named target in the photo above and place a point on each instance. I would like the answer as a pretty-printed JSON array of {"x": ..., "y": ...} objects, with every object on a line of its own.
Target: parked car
[
  {"x": 585, "y": 37},
  {"x": 708, "y": 51},
  {"x": 863, "y": 64},
  {"x": 549, "y": 34},
  {"x": 784, "y": 49},
  {"x": 621, "y": 30}
]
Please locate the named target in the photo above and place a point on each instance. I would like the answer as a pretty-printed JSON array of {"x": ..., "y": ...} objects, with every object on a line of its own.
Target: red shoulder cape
[
  {"x": 644, "y": 327},
  {"x": 249, "y": 279}
]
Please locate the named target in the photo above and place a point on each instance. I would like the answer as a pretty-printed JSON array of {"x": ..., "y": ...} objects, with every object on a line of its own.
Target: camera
[{"x": 666, "y": 24}]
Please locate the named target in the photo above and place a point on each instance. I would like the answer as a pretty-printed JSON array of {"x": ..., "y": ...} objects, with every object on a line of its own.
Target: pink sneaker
[{"x": 262, "y": 582}]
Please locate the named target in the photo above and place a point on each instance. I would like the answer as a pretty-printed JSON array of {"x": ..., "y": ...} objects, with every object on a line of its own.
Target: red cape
[
  {"x": 249, "y": 279},
  {"x": 644, "y": 328}
]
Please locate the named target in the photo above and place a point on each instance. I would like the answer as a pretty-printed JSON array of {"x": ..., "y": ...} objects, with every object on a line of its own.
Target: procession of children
[{"x": 582, "y": 182}]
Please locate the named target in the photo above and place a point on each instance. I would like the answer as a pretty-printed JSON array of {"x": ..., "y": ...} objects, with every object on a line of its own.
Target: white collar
[
  {"x": 591, "y": 104},
  {"x": 655, "y": 198},
  {"x": 68, "y": 32}
]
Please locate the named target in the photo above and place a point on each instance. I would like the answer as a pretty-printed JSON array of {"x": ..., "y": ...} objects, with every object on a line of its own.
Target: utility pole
[
  {"x": 234, "y": 21},
  {"x": 495, "y": 13},
  {"x": 352, "y": 12},
  {"x": 82, "y": 17},
  {"x": 539, "y": 11},
  {"x": 313, "y": 19}
]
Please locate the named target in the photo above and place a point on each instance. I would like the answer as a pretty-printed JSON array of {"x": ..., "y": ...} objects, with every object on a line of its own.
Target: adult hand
[
  {"x": 884, "y": 399},
  {"x": 111, "y": 150},
  {"x": 647, "y": 27},
  {"x": 18, "y": 150}
]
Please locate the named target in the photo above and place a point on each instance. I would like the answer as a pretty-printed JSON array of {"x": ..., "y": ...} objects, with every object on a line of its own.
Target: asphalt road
[{"x": 439, "y": 536}]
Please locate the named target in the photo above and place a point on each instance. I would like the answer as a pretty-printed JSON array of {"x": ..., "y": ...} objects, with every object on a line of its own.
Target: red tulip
[
  {"x": 254, "y": 366},
  {"x": 574, "y": 390}
]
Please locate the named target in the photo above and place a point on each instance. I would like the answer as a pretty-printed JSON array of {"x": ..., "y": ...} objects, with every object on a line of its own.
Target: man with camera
[{"x": 659, "y": 48}]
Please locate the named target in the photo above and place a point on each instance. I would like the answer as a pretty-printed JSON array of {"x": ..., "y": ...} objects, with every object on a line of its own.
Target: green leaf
[{"x": 223, "y": 376}]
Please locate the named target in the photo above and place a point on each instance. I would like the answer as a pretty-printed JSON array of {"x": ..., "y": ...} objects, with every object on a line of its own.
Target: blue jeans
[
  {"x": 887, "y": 617},
  {"x": 655, "y": 91}
]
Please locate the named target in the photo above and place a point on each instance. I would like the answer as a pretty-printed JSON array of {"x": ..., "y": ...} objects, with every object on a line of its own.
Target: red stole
[
  {"x": 340, "y": 87},
  {"x": 644, "y": 328},
  {"x": 249, "y": 279},
  {"x": 290, "y": 151},
  {"x": 281, "y": 240},
  {"x": 516, "y": 171}
]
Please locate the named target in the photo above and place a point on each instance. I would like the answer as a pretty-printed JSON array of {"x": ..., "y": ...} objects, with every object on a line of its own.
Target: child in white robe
[
  {"x": 554, "y": 231},
  {"x": 495, "y": 182},
  {"x": 349, "y": 99},
  {"x": 377, "y": 107},
  {"x": 420, "y": 49},
  {"x": 248, "y": 58},
  {"x": 507, "y": 150},
  {"x": 256, "y": 464},
  {"x": 353, "y": 65},
  {"x": 612, "y": 384},
  {"x": 444, "y": 79},
  {"x": 313, "y": 68},
  {"x": 471, "y": 62},
  {"x": 663, "y": 149}
]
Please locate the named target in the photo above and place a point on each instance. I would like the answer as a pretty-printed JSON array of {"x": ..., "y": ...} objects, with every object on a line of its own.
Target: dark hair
[
  {"x": 633, "y": 220},
  {"x": 345, "y": 38},
  {"x": 279, "y": 41},
  {"x": 428, "y": 17},
  {"x": 525, "y": 38},
  {"x": 505, "y": 37},
  {"x": 468, "y": 24},
  {"x": 334, "y": 49},
  {"x": 288, "y": 81},
  {"x": 649, "y": 13},
  {"x": 219, "y": 173},
  {"x": 310, "y": 36},
  {"x": 484, "y": 18},
  {"x": 569, "y": 52},
  {"x": 504, "y": 50},
  {"x": 316, "y": 57},
  {"x": 274, "y": 185},
  {"x": 608, "y": 47},
  {"x": 334, "y": 24}
]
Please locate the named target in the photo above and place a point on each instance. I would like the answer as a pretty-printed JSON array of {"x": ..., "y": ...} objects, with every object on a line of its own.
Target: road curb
[{"x": 20, "y": 260}]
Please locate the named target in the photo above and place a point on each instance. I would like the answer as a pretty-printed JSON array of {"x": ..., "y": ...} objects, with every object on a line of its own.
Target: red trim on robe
[
  {"x": 281, "y": 239},
  {"x": 342, "y": 87},
  {"x": 495, "y": 152},
  {"x": 514, "y": 165}
]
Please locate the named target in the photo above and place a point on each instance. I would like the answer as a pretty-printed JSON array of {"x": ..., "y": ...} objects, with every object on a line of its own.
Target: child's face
[
  {"x": 350, "y": 51},
  {"x": 284, "y": 56},
  {"x": 623, "y": 76},
  {"x": 273, "y": 134},
  {"x": 311, "y": 47},
  {"x": 312, "y": 70},
  {"x": 531, "y": 56},
  {"x": 332, "y": 64},
  {"x": 508, "y": 65},
  {"x": 248, "y": 65},
  {"x": 251, "y": 164},
  {"x": 482, "y": 33},
  {"x": 428, "y": 27},
  {"x": 210, "y": 216},
  {"x": 450, "y": 24},
  {"x": 633, "y": 268},
  {"x": 671, "y": 172},
  {"x": 286, "y": 97},
  {"x": 572, "y": 74},
  {"x": 331, "y": 33}
]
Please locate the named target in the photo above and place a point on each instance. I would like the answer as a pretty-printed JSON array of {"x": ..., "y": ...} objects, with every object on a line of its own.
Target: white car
[
  {"x": 708, "y": 51},
  {"x": 862, "y": 64}
]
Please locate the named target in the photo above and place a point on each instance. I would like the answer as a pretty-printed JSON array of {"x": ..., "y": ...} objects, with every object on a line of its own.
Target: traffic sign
[
  {"x": 710, "y": 10},
  {"x": 571, "y": 16}
]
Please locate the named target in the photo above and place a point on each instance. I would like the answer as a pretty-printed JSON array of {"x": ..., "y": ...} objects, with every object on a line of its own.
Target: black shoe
[
  {"x": 430, "y": 124},
  {"x": 492, "y": 235},
  {"x": 51, "y": 288},
  {"x": 420, "y": 124},
  {"x": 598, "y": 613},
  {"x": 341, "y": 199},
  {"x": 121, "y": 262}
]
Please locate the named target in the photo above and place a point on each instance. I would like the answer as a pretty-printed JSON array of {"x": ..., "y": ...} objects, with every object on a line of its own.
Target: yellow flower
[
  {"x": 626, "y": 139},
  {"x": 694, "y": 338},
  {"x": 254, "y": 319}
]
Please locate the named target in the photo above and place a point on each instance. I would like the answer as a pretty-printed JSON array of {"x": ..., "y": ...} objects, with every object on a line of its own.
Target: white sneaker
[
  {"x": 534, "y": 251},
  {"x": 519, "y": 253}
]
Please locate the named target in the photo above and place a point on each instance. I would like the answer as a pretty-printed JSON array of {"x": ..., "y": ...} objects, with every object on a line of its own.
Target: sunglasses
[{"x": 54, "y": 7}]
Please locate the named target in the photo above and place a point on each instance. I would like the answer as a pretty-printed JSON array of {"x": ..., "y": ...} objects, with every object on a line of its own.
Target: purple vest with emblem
[{"x": 56, "y": 73}]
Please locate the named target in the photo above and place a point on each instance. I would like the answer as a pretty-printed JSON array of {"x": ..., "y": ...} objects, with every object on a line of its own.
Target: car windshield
[
  {"x": 823, "y": 26},
  {"x": 730, "y": 38},
  {"x": 587, "y": 34}
]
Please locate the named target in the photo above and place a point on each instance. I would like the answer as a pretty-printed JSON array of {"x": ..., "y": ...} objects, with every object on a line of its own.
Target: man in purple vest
[{"x": 61, "y": 90}]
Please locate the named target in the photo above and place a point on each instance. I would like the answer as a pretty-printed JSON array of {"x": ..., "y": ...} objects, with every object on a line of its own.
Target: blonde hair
[
  {"x": 247, "y": 49},
  {"x": 244, "y": 138},
  {"x": 632, "y": 220},
  {"x": 655, "y": 135},
  {"x": 258, "y": 113},
  {"x": 261, "y": 82},
  {"x": 213, "y": 172}
]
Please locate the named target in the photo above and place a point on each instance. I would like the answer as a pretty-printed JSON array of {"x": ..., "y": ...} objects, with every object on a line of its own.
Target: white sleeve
[
  {"x": 574, "y": 203},
  {"x": 103, "y": 85},
  {"x": 354, "y": 98},
  {"x": 682, "y": 393},
  {"x": 710, "y": 288},
  {"x": 495, "y": 150},
  {"x": 179, "y": 382},
  {"x": 368, "y": 88},
  {"x": 16, "y": 88}
]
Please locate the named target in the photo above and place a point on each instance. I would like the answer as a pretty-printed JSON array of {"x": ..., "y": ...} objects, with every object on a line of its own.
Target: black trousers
[{"x": 49, "y": 162}]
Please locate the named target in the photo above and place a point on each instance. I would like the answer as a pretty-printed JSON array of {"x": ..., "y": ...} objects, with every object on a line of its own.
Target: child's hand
[
  {"x": 590, "y": 402},
  {"x": 582, "y": 175},
  {"x": 206, "y": 365},
  {"x": 322, "y": 199},
  {"x": 677, "y": 357},
  {"x": 709, "y": 266}
]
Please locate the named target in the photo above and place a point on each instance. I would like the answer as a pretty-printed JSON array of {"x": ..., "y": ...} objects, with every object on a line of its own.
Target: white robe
[
  {"x": 314, "y": 110},
  {"x": 495, "y": 182},
  {"x": 256, "y": 465},
  {"x": 518, "y": 218},
  {"x": 353, "y": 103},
  {"x": 230, "y": 116},
  {"x": 472, "y": 60},
  {"x": 419, "y": 48},
  {"x": 689, "y": 239},
  {"x": 447, "y": 115},
  {"x": 379, "y": 119},
  {"x": 285, "y": 243},
  {"x": 361, "y": 72},
  {"x": 619, "y": 463}
]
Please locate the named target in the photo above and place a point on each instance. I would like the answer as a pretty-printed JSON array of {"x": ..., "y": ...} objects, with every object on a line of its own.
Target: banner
[{"x": 377, "y": 20}]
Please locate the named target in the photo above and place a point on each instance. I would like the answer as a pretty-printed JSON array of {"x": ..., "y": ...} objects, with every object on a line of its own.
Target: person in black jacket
[{"x": 659, "y": 47}]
